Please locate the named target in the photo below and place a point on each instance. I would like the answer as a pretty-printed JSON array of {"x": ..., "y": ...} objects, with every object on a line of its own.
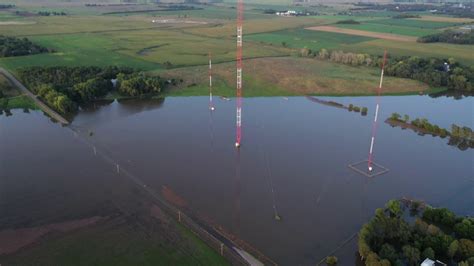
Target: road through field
[
  {"x": 40, "y": 104},
  {"x": 386, "y": 36}
]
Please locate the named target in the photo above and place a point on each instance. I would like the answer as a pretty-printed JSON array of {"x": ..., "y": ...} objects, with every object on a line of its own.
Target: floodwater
[{"x": 293, "y": 159}]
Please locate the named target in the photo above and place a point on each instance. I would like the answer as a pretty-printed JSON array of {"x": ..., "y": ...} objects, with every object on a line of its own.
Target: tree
[
  {"x": 411, "y": 254},
  {"x": 323, "y": 54},
  {"x": 395, "y": 116},
  {"x": 453, "y": 249},
  {"x": 388, "y": 252},
  {"x": 394, "y": 207},
  {"x": 331, "y": 260},
  {"x": 429, "y": 253},
  {"x": 465, "y": 229},
  {"x": 466, "y": 248},
  {"x": 406, "y": 118}
]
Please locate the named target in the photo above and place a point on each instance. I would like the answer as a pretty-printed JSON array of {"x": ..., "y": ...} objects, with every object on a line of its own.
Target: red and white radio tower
[
  {"x": 374, "y": 125},
  {"x": 240, "y": 17},
  {"x": 211, "y": 104}
]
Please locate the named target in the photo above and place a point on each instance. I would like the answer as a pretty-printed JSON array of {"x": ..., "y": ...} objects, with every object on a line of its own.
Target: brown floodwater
[{"x": 292, "y": 164}]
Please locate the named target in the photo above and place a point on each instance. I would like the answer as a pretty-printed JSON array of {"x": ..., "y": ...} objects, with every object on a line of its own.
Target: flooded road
[{"x": 293, "y": 162}]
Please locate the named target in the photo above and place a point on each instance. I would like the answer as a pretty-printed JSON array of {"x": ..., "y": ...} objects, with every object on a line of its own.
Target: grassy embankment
[{"x": 12, "y": 98}]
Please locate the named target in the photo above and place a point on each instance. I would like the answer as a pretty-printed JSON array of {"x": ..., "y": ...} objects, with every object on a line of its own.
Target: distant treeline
[
  {"x": 446, "y": 9},
  {"x": 65, "y": 88},
  {"x": 12, "y": 46},
  {"x": 6, "y": 6},
  {"x": 168, "y": 8},
  {"x": 450, "y": 36},
  {"x": 433, "y": 71},
  {"x": 403, "y": 16},
  {"x": 51, "y": 13},
  {"x": 348, "y": 21}
]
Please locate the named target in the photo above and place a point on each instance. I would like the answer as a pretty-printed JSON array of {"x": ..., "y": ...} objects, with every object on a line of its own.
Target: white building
[{"x": 428, "y": 262}]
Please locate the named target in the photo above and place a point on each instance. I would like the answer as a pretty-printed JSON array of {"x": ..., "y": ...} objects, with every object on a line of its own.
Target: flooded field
[{"x": 293, "y": 164}]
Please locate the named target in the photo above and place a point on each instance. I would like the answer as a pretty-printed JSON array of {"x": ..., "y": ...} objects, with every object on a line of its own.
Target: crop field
[
  {"x": 413, "y": 23},
  {"x": 393, "y": 29},
  {"x": 315, "y": 40}
]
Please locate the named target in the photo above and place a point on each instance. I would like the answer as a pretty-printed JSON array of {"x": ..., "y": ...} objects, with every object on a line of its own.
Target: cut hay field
[{"x": 290, "y": 76}]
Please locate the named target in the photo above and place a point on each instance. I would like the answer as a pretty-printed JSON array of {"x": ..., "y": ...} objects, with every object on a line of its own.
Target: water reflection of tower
[{"x": 236, "y": 197}]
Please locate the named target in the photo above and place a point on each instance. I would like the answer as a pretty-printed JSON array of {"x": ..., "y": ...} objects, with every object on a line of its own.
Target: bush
[{"x": 331, "y": 260}]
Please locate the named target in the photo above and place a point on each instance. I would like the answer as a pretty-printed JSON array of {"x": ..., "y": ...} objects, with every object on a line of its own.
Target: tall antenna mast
[
  {"x": 211, "y": 104},
  {"x": 240, "y": 17},
  {"x": 374, "y": 124}
]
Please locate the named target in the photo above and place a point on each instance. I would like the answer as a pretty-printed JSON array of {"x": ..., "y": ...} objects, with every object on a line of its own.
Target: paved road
[{"x": 38, "y": 102}]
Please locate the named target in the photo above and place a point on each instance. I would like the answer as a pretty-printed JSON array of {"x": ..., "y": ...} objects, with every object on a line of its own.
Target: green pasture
[
  {"x": 315, "y": 40},
  {"x": 77, "y": 50},
  {"x": 462, "y": 53},
  {"x": 413, "y": 23},
  {"x": 119, "y": 244},
  {"x": 393, "y": 29}
]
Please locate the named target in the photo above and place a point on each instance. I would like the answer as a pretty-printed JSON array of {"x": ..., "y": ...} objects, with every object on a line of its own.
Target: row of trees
[
  {"x": 49, "y": 13},
  {"x": 12, "y": 46},
  {"x": 461, "y": 137},
  {"x": 389, "y": 240},
  {"x": 450, "y": 36},
  {"x": 65, "y": 88}
]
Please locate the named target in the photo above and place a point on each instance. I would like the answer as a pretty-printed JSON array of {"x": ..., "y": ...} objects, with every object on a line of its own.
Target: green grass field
[
  {"x": 386, "y": 28},
  {"x": 131, "y": 39},
  {"x": 117, "y": 243},
  {"x": 412, "y": 23},
  {"x": 315, "y": 40},
  {"x": 20, "y": 102}
]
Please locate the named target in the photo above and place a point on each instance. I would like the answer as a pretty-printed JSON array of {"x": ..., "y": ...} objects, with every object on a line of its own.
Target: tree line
[
  {"x": 433, "y": 71},
  {"x": 66, "y": 88},
  {"x": 51, "y": 13},
  {"x": 12, "y": 46},
  {"x": 449, "y": 36},
  {"x": 462, "y": 137},
  {"x": 437, "y": 234}
]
